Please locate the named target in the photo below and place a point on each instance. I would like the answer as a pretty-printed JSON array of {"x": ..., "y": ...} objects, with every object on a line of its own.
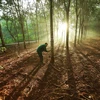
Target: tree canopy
[{"x": 27, "y": 20}]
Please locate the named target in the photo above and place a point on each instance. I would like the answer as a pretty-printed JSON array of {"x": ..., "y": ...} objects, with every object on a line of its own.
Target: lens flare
[
  {"x": 60, "y": 34},
  {"x": 62, "y": 31}
]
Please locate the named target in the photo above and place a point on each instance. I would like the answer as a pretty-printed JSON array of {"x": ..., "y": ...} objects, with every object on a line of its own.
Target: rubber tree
[
  {"x": 51, "y": 31},
  {"x": 21, "y": 18},
  {"x": 81, "y": 21},
  {"x": 1, "y": 37},
  {"x": 8, "y": 18},
  {"x": 67, "y": 9},
  {"x": 37, "y": 28},
  {"x": 84, "y": 14},
  {"x": 45, "y": 17},
  {"x": 71, "y": 80},
  {"x": 76, "y": 12},
  {"x": 10, "y": 27}
]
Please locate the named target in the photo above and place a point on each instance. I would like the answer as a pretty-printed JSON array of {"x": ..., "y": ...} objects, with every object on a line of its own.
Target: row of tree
[
  {"x": 78, "y": 12},
  {"x": 26, "y": 20}
]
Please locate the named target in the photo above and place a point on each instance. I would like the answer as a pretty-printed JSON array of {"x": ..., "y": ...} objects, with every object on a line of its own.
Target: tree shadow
[
  {"x": 17, "y": 90},
  {"x": 71, "y": 80}
]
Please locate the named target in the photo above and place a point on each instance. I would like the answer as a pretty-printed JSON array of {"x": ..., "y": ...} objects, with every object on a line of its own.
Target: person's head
[{"x": 46, "y": 44}]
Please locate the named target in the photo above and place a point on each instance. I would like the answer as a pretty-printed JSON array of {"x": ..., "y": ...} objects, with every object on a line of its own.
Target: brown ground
[{"x": 23, "y": 78}]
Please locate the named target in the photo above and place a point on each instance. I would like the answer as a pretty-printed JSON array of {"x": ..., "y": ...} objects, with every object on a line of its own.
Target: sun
[
  {"x": 60, "y": 33},
  {"x": 62, "y": 26}
]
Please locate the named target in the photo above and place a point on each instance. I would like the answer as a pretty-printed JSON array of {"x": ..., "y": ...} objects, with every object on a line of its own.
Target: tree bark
[
  {"x": 76, "y": 9},
  {"x": 51, "y": 31},
  {"x": 1, "y": 36},
  {"x": 37, "y": 21},
  {"x": 71, "y": 79}
]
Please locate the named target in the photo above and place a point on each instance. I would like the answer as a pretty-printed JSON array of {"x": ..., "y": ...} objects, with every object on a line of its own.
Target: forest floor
[{"x": 23, "y": 78}]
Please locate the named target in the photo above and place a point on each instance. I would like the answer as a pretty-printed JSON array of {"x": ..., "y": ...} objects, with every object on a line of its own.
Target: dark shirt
[{"x": 42, "y": 48}]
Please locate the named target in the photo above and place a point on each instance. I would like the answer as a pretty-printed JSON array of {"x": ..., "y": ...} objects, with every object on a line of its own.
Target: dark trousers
[{"x": 40, "y": 56}]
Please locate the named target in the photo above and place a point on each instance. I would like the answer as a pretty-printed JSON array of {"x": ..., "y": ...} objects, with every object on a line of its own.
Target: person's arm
[{"x": 45, "y": 49}]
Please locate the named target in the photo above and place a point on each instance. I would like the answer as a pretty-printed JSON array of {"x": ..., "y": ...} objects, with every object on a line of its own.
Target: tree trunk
[
  {"x": 79, "y": 28},
  {"x": 71, "y": 80},
  {"x": 82, "y": 4},
  {"x": 67, "y": 31},
  {"x": 37, "y": 22},
  {"x": 45, "y": 22},
  {"x": 51, "y": 31},
  {"x": 1, "y": 36},
  {"x": 82, "y": 25},
  {"x": 27, "y": 32},
  {"x": 23, "y": 32},
  {"x": 75, "y": 40}
]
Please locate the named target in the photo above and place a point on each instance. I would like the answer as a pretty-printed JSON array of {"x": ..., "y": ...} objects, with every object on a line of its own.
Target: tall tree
[
  {"x": 67, "y": 8},
  {"x": 71, "y": 79},
  {"x": 45, "y": 17},
  {"x": 76, "y": 11},
  {"x": 51, "y": 31},
  {"x": 37, "y": 20},
  {"x": 1, "y": 37}
]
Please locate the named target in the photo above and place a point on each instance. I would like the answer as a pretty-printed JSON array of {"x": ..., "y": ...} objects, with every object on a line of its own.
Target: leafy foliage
[{"x": 16, "y": 13}]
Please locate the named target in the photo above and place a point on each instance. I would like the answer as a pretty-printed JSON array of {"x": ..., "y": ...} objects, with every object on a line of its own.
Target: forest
[{"x": 67, "y": 67}]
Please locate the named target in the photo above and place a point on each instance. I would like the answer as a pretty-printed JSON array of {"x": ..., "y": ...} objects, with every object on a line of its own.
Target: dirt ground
[{"x": 23, "y": 78}]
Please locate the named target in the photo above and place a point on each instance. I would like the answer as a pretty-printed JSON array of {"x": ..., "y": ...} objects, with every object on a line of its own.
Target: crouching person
[{"x": 40, "y": 49}]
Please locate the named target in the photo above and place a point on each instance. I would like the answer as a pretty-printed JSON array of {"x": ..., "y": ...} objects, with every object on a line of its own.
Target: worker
[{"x": 40, "y": 49}]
